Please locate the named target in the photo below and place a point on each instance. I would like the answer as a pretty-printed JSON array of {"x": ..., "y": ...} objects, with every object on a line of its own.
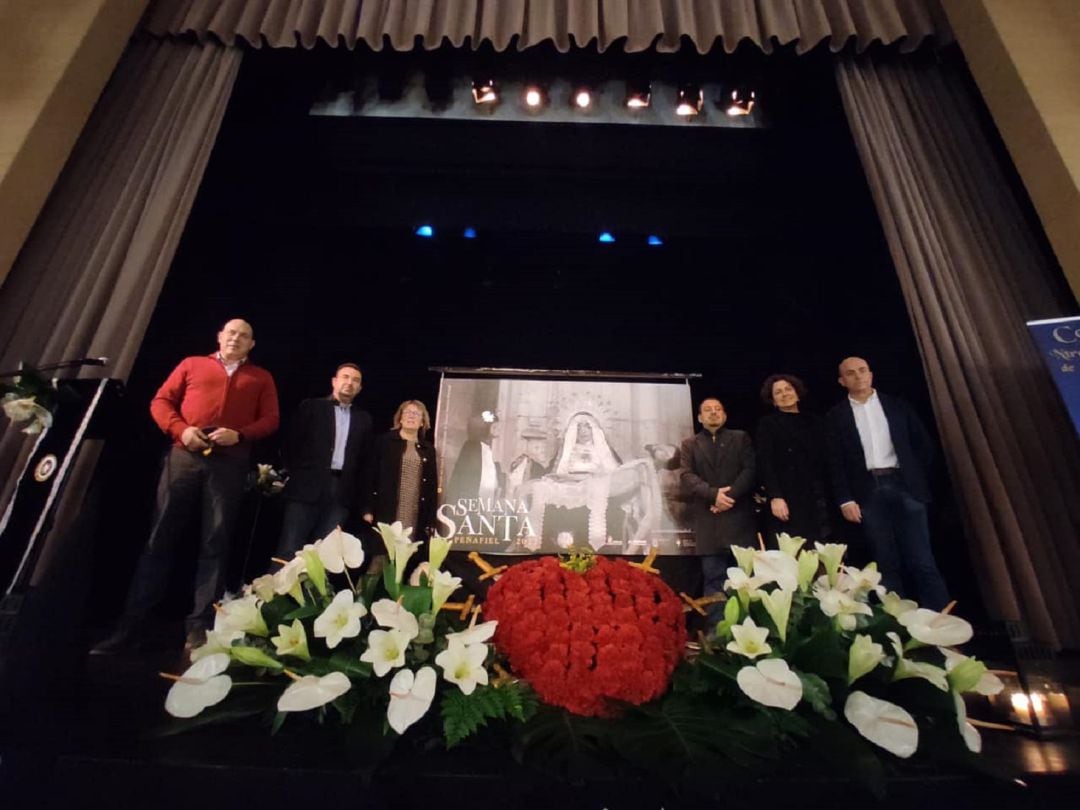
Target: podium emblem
[{"x": 45, "y": 468}]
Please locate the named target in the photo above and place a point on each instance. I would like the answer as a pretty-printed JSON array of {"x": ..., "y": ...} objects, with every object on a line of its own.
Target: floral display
[
  {"x": 28, "y": 400},
  {"x": 588, "y": 640},
  {"x": 267, "y": 480}
]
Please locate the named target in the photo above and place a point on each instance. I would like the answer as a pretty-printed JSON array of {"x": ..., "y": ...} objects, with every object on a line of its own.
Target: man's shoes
[{"x": 125, "y": 638}]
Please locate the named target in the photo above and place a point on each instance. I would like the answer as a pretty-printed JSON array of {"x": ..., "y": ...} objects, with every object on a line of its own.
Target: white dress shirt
[
  {"x": 874, "y": 433},
  {"x": 342, "y": 415}
]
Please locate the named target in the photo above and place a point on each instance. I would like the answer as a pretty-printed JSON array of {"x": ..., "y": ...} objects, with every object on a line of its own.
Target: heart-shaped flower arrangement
[{"x": 587, "y": 639}]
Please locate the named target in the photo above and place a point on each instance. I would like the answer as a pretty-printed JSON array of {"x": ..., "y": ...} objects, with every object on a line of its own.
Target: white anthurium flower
[
  {"x": 393, "y": 535},
  {"x": 287, "y": 579},
  {"x": 410, "y": 697},
  {"x": 778, "y": 606},
  {"x": 311, "y": 692},
  {"x": 859, "y": 582},
  {"x": 438, "y": 548},
  {"x": 217, "y": 641},
  {"x": 749, "y": 639},
  {"x": 808, "y": 567},
  {"x": 831, "y": 554},
  {"x": 423, "y": 569},
  {"x": 931, "y": 627},
  {"x": 477, "y": 634},
  {"x": 746, "y": 586},
  {"x": 971, "y": 735},
  {"x": 340, "y": 550},
  {"x": 390, "y": 614},
  {"x": 865, "y": 654},
  {"x": 241, "y": 614},
  {"x": 263, "y": 587},
  {"x": 386, "y": 650},
  {"x": 463, "y": 664},
  {"x": 744, "y": 558},
  {"x": 292, "y": 640},
  {"x": 443, "y": 585},
  {"x": 776, "y": 566},
  {"x": 790, "y": 545},
  {"x": 340, "y": 620},
  {"x": 895, "y": 605},
  {"x": 202, "y": 685},
  {"x": 771, "y": 683},
  {"x": 882, "y": 723},
  {"x": 967, "y": 674},
  {"x": 906, "y": 668},
  {"x": 840, "y": 606}
]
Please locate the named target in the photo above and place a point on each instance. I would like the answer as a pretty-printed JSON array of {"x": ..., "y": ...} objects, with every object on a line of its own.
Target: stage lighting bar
[
  {"x": 535, "y": 97},
  {"x": 582, "y": 98},
  {"x": 689, "y": 101},
  {"x": 740, "y": 102},
  {"x": 638, "y": 95},
  {"x": 485, "y": 92}
]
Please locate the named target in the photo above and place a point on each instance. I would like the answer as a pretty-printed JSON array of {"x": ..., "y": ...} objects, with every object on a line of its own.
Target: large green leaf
[
  {"x": 564, "y": 744},
  {"x": 463, "y": 714},
  {"x": 842, "y": 748},
  {"x": 823, "y": 653},
  {"x": 416, "y": 600}
]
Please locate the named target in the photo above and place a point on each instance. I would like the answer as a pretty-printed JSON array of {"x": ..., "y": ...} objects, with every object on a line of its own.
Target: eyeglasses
[{"x": 411, "y": 413}]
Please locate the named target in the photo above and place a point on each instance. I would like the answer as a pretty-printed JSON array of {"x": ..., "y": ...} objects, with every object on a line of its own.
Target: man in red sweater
[{"x": 213, "y": 407}]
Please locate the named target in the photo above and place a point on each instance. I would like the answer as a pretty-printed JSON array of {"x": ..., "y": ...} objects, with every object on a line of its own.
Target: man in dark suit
[
  {"x": 327, "y": 453},
  {"x": 879, "y": 453},
  {"x": 717, "y": 478}
]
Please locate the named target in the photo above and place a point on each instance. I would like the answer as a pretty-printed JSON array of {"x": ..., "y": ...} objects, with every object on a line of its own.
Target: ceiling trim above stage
[{"x": 632, "y": 25}]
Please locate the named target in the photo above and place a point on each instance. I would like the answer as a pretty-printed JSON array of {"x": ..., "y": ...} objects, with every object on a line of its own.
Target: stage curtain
[
  {"x": 635, "y": 25},
  {"x": 972, "y": 273}
]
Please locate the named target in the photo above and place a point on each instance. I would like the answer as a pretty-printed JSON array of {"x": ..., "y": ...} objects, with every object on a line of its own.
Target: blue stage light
[
  {"x": 469, "y": 233},
  {"x": 654, "y": 239},
  {"x": 606, "y": 237},
  {"x": 426, "y": 231}
]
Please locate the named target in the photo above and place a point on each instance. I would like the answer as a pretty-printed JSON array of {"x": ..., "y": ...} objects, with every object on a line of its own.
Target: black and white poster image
[{"x": 542, "y": 466}]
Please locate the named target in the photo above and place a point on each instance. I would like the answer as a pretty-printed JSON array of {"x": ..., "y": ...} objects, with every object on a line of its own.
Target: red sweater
[{"x": 200, "y": 393}]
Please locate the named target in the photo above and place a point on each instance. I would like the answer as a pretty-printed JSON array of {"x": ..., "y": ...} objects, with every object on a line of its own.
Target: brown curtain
[
  {"x": 637, "y": 24},
  {"x": 972, "y": 274}
]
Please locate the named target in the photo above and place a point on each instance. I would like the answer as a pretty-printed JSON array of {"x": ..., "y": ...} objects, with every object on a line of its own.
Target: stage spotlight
[
  {"x": 535, "y": 96},
  {"x": 582, "y": 98},
  {"x": 425, "y": 231},
  {"x": 654, "y": 239},
  {"x": 689, "y": 100},
  {"x": 606, "y": 237},
  {"x": 469, "y": 233},
  {"x": 485, "y": 91},
  {"x": 740, "y": 102},
  {"x": 638, "y": 95}
]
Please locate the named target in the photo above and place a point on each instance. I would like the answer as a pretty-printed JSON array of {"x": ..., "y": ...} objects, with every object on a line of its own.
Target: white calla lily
[
  {"x": 778, "y": 606},
  {"x": 443, "y": 585},
  {"x": 895, "y": 605},
  {"x": 202, "y": 685},
  {"x": 776, "y": 566},
  {"x": 386, "y": 650},
  {"x": 410, "y": 697},
  {"x": 340, "y": 620},
  {"x": 463, "y": 664},
  {"x": 831, "y": 554},
  {"x": 217, "y": 641},
  {"x": 340, "y": 550},
  {"x": 749, "y": 639},
  {"x": 311, "y": 692},
  {"x": 932, "y": 627},
  {"x": 744, "y": 558},
  {"x": 241, "y": 614},
  {"x": 790, "y": 545},
  {"x": 771, "y": 682},
  {"x": 390, "y": 614},
  {"x": 808, "y": 567},
  {"x": 393, "y": 535},
  {"x": 884, "y": 724},
  {"x": 438, "y": 548},
  {"x": 865, "y": 654}
]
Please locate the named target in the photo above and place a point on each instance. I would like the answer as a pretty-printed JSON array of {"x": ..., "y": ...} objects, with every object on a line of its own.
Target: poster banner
[
  {"x": 1058, "y": 340},
  {"x": 533, "y": 465}
]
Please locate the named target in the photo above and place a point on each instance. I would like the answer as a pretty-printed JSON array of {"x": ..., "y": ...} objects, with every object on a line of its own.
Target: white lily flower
[
  {"x": 438, "y": 548},
  {"x": 790, "y": 545},
  {"x": 882, "y": 723},
  {"x": 311, "y": 692},
  {"x": 860, "y": 582},
  {"x": 386, "y": 650},
  {"x": 865, "y": 654},
  {"x": 389, "y": 613},
  {"x": 808, "y": 567},
  {"x": 340, "y": 620},
  {"x": 931, "y": 627},
  {"x": 778, "y": 606},
  {"x": 746, "y": 586},
  {"x": 477, "y": 634},
  {"x": 393, "y": 535},
  {"x": 287, "y": 579},
  {"x": 410, "y": 697},
  {"x": 776, "y": 566},
  {"x": 840, "y": 606},
  {"x": 340, "y": 550},
  {"x": 744, "y": 558},
  {"x": 263, "y": 587},
  {"x": 463, "y": 664},
  {"x": 896, "y": 606},
  {"x": 241, "y": 614},
  {"x": 292, "y": 640},
  {"x": 831, "y": 554},
  {"x": 906, "y": 668},
  {"x": 202, "y": 685},
  {"x": 771, "y": 683},
  {"x": 968, "y": 674},
  {"x": 749, "y": 639},
  {"x": 443, "y": 585},
  {"x": 217, "y": 641},
  {"x": 971, "y": 735}
]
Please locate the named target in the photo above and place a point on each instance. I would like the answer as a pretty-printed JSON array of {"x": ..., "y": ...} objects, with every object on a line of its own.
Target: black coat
[
  {"x": 791, "y": 464},
  {"x": 847, "y": 463},
  {"x": 309, "y": 449},
  {"x": 706, "y": 466},
  {"x": 389, "y": 449}
]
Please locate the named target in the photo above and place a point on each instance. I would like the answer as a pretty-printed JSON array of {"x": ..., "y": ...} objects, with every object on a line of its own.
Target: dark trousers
[
  {"x": 210, "y": 486},
  {"x": 714, "y": 573},
  {"x": 306, "y": 522},
  {"x": 897, "y": 530}
]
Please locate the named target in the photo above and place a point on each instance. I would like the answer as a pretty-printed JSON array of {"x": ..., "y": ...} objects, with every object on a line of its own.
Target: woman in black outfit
[
  {"x": 791, "y": 462},
  {"x": 405, "y": 482}
]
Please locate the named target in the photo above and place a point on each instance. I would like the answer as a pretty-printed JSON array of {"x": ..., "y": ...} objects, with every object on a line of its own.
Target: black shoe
[{"x": 125, "y": 638}]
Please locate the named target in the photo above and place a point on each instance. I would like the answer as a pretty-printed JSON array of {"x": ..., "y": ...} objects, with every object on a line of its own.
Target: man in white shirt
[{"x": 879, "y": 453}]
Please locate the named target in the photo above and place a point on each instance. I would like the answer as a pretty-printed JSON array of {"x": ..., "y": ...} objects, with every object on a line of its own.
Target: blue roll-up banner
[{"x": 1058, "y": 339}]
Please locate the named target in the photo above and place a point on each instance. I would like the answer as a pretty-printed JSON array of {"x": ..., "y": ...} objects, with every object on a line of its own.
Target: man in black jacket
[
  {"x": 327, "y": 453},
  {"x": 879, "y": 453}
]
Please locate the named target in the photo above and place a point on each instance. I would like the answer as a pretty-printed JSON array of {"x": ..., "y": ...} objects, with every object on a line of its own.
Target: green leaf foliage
[
  {"x": 416, "y": 600},
  {"x": 565, "y": 745},
  {"x": 464, "y": 714},
  {"x": 816, "y": 693},
  {"x": 823, "y": 653}
]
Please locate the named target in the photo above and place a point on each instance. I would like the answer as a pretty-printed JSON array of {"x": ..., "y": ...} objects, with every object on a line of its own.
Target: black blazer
[
  {"x": 389, "y": 448},
  {"x": 700, "y": 478},
  {"x": 309, "y": 449},
  {"x": 847, "y": 463}
]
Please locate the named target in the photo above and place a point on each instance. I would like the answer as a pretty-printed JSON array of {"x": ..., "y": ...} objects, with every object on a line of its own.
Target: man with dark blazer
[
  {"x": 717, "y": 477},
  {"x": 879, "y": 453},
  {"x": 327, "y": 453}
]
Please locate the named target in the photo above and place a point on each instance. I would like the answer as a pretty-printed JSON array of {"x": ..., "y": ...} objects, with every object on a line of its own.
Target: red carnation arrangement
[{"x": 582, "y": 640}]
